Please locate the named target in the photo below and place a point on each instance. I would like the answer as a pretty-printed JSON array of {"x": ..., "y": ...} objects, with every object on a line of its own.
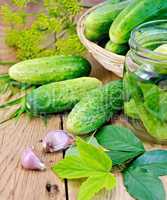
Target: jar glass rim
[{"x": 135, "y": 45}]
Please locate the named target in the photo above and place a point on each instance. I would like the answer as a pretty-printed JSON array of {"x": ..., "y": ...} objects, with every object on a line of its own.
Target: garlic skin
[
  {"x": 56, "y": 141},
  {"x": 30, "y": 161}
]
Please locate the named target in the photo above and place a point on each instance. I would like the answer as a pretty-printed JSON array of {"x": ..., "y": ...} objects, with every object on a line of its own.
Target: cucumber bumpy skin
[
  {"x": 137, "y": 12},
  {"x": 96, "y": 108},
  {"x": 50, "y": 69},
  {"x": 98, "y": 22},
  {"x": 59, "y": 96}
]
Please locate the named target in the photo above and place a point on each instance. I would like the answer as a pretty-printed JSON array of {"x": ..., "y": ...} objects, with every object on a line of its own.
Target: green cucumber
[
  {"x": 137, "y": 12},
  {"x": 120, "y": 49},
  {"x": 50, "y": 69},
  {"x": 98, "y": 22},
  {"x": 96, "y": 108},
  {"x": 59, "y": 96}
]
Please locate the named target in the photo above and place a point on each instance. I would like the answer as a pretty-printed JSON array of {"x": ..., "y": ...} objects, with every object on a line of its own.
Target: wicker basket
[{"x": 111, "y": 61}]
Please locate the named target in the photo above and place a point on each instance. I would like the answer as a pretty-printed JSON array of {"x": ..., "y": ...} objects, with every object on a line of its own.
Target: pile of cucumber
[
  {"x": 61, "y": 84},
  {"x": 110, "y": 25}
]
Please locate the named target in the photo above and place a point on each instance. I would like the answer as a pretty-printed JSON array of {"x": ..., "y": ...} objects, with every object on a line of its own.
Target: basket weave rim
[{"x": 93, "y": 47}]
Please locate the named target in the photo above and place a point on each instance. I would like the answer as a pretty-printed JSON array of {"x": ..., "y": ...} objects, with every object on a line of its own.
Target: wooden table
[{"x": 19, "y": 184}]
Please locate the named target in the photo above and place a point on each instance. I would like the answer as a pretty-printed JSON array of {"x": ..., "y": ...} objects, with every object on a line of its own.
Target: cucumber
[
  {"x": 137, "y": 12},
  {"x": 59, "y": 96},
  {"x": 120, "y": 49},
  {"x": 96, "y": 108},
  {"x": 50, "y": 69},
  {"x": 98, "y": 22}
]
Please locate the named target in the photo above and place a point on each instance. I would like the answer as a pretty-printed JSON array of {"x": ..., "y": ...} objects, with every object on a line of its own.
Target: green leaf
[
  {"x": 155, "y": 100},
  {"x": 154, "y": 127},
  {"x": 73, "y": 167},
  {"x": 154, "y": 162},
  {"x": 121, "y": 143},
  {"x": 94, "y": 157},
  {"x": 91, "y": 161},
  {"x": 143, "y": 185},
  {"x": 94, "y": 184},
  {"x": 73, "y": 149},
  {"x": 130, "y": 109}
]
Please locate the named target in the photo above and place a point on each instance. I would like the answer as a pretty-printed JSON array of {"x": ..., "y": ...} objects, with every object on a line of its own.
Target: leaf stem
[
  {"x": 4, "y": 77},
  {"x": 12, "y": 102},
  {"x": 3, "y": 62}
]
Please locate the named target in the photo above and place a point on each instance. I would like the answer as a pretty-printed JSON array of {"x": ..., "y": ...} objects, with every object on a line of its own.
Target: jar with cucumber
[{"x": 145, "y": 81}]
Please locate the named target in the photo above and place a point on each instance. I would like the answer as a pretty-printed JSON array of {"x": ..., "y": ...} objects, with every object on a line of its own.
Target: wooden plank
[{"x": 17, "y": 183}]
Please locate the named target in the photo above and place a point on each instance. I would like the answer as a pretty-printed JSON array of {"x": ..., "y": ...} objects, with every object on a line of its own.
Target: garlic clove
[
  {"x": 56, "y": 141},
  {"x": 30, "y": 161}
]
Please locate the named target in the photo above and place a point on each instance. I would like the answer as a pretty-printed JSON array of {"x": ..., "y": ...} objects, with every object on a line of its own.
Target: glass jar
[{"x": 145, "y": 82}]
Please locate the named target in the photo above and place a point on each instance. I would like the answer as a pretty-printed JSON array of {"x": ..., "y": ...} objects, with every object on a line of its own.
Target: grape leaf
[
  {"x": 94, "y": 184},
  {"x": 73, "y": 167},
  {"x": 121, "y": 143},
  {"x": 143, "y": 185},
  {"x": 92, "y": 163},
  {"x": 93, "y": 156},
  {"x": 154, "y": 162},
  {"x": 73, "y": 149}
]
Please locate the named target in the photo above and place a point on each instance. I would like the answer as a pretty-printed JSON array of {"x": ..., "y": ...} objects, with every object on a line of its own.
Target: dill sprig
[{"x": 48, "y": 31}]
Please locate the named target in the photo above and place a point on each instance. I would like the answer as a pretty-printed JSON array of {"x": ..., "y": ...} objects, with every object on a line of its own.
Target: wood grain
[{"x": 17, "y": 183}]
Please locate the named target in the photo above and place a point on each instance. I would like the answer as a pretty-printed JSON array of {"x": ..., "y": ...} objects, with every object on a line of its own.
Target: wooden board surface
[
  {"x": 15, "y": 137},
  {"x": 19, "y": 184},
  {"x": 15, "y": 182}
]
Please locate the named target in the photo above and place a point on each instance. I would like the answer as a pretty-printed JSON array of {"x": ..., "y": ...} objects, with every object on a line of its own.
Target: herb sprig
[{"x": 48, "y": 30}]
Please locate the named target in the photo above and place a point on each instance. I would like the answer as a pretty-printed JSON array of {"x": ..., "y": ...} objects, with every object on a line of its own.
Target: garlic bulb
[
  {"x": 30, "y": 161},
  {"x": 57, "y": 140}
]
